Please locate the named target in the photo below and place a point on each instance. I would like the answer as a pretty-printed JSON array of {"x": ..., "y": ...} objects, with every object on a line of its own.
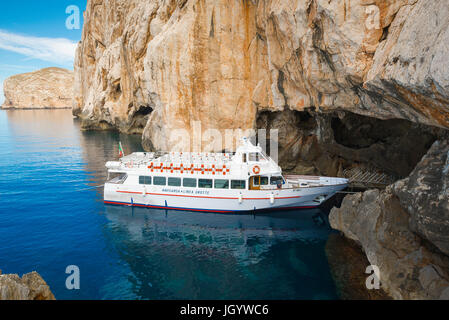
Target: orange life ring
[{"x": 256, "y": 169}]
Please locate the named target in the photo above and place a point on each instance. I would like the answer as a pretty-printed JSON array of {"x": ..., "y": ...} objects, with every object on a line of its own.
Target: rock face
[
  {"x": 404, "y": 229},
  {"x": 347, "y": 83},
  {"x": 425, "y": 195},
  {"x": 155, "y": 66},
  {"x": 48, "y": 88},
  {"x": 30, "y": 287}
]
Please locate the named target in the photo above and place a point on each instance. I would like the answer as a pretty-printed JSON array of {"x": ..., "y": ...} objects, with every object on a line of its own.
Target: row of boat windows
[{"x": 193, "y": 183}]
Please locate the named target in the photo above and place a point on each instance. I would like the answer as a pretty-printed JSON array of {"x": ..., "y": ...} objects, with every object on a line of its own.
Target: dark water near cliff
[{"x": 50, "y": 219}]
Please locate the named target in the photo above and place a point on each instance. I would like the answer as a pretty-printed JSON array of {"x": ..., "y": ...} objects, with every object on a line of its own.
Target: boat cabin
[{"x": 266, "y": 182}]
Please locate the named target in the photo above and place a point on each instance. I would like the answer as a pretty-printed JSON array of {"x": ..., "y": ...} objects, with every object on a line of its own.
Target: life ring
[{"x": 256, "y": 169}]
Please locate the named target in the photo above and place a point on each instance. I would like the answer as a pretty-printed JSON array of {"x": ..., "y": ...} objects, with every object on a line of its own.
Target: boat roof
[{"x": 204, "y": 163}]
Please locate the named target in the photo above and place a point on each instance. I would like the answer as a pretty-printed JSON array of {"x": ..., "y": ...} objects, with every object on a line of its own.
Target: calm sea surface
[{"x": 52, "y": 216}]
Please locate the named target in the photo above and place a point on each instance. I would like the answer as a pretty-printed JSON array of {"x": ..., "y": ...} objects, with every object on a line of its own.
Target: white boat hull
[{"x": 223, "y": 201}]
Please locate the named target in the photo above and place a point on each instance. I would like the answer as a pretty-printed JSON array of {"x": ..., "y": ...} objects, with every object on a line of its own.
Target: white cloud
[{"x": 56, "y": 50}]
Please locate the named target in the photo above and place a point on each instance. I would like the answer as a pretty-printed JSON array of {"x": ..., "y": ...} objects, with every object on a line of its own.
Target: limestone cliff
[
  {"x": 404, "y": 229},
  {"x": 348, "y": 83},
  {"x": 153, "y": 66},
  {"x": 30, "y": 287},
  {"x": 49, "y": 88}
]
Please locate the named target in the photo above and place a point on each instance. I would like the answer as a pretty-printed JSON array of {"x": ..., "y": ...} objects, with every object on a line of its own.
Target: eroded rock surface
[
  {"x": 49, "y": 88},
  {"x": 154, "y": 66},
  {"x": 403, "y": 230},
  {"x": 30, "y": 287},
  {"x": 425, "y": 196},
  {"x": 347, "y": 83}
]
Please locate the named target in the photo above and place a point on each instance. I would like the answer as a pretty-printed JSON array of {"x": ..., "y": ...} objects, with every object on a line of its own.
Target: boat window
[
  {"x": 205, "y": 183},
  {"x": 254, "y": 157},
  {"x": 256, "y": 181},
  {"x": 244, "y": 158},
  {"x": 174, "y": 182},
  {"x": 189, "y": 183},
  {"x": 264, "y": 181},
  {"x": 160, "y": 181},
  {"x": 144, "y": 180},
  {"x": 238, "y": 184},
  {"x": 277, "y": 180},
  {"x": 221, "y": 184}
]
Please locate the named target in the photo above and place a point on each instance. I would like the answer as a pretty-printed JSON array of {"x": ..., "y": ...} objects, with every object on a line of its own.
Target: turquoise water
[{"x": 52, "y": 216}]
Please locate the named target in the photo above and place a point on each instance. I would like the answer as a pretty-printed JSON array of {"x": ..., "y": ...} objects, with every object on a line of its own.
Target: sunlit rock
[
  {"x": 30, "y": 287},
  {"x": 155, "y": 66},
  {"x": 50, "y": 88}
]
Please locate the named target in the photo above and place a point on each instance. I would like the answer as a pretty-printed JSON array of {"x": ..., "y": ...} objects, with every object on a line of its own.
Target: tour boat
[{"x": 246, "y": 181}]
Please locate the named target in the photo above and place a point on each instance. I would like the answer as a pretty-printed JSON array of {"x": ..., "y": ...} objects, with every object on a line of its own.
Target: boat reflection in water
[{"x": 187, "y": 255}]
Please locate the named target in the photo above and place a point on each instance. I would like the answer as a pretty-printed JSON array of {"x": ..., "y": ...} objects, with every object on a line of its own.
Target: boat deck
[
  {"x": 299, "y": 181},
  {"x": 175, "y": 158}
]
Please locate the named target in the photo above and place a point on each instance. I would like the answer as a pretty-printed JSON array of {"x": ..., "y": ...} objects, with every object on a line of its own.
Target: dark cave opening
[
  {"x": 284, "y": 120},
  {"x": 328, "y": 144},
  {"x": 143, "y": 111},
  {"x": 291, "y": 126},
  {"x": 395, "y": 146},
  {"x": 139, "y": 119},
  {"x": 358, "y": 132},
  {"x": 116, "y": 91}
]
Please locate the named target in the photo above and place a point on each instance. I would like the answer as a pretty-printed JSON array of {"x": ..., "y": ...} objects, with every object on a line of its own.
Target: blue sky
[{"x": 33, "y": 35}]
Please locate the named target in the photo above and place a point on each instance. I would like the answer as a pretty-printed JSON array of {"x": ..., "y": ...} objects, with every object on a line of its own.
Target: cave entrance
[
  {"x": 395, "y": 146},
  {"x": 140, "y": 119},
  {"x": 329, "y": 144}
]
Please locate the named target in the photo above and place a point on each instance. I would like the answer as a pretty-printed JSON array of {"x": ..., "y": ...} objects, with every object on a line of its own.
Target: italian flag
[{"x": 120, "y": 150}]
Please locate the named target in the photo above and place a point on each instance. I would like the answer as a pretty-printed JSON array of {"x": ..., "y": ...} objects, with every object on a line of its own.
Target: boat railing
[
  {"x": 366, "y": 178},
  {"x": 312, "y": 181},
  {"x": 141, "y": 160}
]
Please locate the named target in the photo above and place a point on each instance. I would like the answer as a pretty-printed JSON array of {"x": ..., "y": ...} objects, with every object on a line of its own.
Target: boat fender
[
  {"x": 272, "y": 198},
  {"x": 240, "y": 198}
]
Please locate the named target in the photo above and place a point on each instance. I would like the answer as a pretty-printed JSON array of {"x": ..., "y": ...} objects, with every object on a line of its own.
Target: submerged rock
[
  {"x": 348, "y": 267},
  {"x": 30, "y": 287},
  {"x": 49, "y": 88},
  {"x": 403, "y": 229}
]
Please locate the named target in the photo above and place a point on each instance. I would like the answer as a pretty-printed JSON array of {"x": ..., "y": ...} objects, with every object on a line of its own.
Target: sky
[{"x": 34, "y": 35}]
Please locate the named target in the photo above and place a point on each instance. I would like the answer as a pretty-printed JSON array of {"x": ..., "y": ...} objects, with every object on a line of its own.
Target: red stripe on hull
[
  {"x": 202, "y": 197},
  {"x": 206, "y": 210}
]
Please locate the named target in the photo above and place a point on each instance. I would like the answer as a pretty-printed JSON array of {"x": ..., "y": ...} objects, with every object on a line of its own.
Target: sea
[{"x": 53, "y": 221}]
